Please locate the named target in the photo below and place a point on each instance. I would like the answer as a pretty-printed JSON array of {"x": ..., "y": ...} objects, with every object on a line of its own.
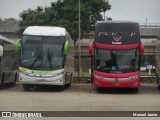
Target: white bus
[
  {"x": 9, "y": 62},
  {"x": 46, "y": 57}
]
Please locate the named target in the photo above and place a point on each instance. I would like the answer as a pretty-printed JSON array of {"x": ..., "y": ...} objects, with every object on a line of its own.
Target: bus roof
[
  {"x": 6, "y": 39},
  {"x": 109, "y": 32},
  {"x": 45, "y": 31}
]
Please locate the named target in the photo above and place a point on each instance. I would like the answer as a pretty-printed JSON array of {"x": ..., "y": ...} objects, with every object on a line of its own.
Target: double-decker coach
[{"x": 116, "y": 53}]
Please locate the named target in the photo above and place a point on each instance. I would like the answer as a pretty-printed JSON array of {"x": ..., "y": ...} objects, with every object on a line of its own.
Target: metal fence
[
  {"x": 158, "y": 56},
  {"x": 148, "y": 64}
]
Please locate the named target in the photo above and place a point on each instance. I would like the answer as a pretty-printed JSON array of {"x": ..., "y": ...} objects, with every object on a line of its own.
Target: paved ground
[{"x": 80, "y": 98}]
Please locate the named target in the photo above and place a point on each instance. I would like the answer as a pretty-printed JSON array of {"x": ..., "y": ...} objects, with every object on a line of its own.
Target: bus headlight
[
  {"x": 46, "y": 75},
  {"x": 104, "y": 78},
  {"x": 99, "y": 77},
  {"x": 134, "y": 77}
]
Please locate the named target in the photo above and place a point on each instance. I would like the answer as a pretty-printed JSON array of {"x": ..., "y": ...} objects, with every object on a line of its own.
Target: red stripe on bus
[{"x": 115, "y": 47}]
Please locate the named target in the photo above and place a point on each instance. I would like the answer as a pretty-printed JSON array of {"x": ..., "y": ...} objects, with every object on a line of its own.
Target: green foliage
[{"x": 65, "y": 14}]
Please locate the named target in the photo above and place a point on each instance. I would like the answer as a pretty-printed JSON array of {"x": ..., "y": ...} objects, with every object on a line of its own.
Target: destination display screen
[{"x": 117, "y": 33}]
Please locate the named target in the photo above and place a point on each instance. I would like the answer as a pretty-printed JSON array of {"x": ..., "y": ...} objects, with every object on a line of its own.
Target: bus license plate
[
  {"x": 116, "y": 84},
  {"x": 40, "y": 80}
]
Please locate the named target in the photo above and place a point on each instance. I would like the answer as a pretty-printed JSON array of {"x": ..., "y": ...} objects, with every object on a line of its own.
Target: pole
[
  {"x": 146, "y": 22},
  {"x": 79, "y": 50}
]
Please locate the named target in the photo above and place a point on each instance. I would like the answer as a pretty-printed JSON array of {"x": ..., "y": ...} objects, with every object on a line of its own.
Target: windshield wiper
[
  {"x": 39, "y": 56},
  {"x": 49, "y": 59}
]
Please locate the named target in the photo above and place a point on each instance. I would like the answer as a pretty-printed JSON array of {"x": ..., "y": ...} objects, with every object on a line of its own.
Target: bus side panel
[
  {"x": 69, "y": 63},
  {"x": 1, "y": 71},
  {"x": 10, "y": 63}
]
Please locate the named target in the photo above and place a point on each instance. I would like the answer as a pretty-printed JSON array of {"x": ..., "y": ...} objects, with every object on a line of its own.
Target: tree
[{"x": 65, "y": 14}]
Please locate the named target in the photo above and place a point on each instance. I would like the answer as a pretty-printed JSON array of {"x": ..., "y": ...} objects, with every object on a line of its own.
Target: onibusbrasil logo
[{"x": 21, "y": 114}]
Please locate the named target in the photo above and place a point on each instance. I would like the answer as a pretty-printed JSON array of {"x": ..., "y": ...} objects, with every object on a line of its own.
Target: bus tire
[
  {"x": 1, "y": 86},
  {"x": 61, "y": 87},
  {"x": 135, "y": 90},
  {"x": 27, "y": 87},
  {"x": 15, "y": 78},
  {"x": 158, "y": 86},
  {"x": 69, "y": 84},
  {"x": 2, "y": 81},
  {"x": 98, "y": 90}
]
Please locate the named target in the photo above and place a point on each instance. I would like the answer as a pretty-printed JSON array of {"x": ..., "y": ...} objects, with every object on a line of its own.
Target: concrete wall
[{"x": 9, "y": 29}]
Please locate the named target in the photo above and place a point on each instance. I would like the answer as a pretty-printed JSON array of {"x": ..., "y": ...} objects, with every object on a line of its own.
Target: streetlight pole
[
  {"x": 79, "y": 47},
  {"x": 146, "y": 21}
]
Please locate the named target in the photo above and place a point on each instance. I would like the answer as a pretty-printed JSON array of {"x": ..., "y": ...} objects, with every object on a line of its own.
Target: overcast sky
[
  {"x": 12, "y": 8},
  {"x": 133, "y": 10}
]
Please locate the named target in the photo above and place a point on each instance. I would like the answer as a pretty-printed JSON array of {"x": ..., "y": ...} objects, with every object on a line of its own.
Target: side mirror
[
  {"x": 17, "y": 45},
  {"x": 91, "y": 49},
  {"x": 65, "y": 49},
  {"x": 1, "y": 51},
  {"x": 142, "y": 49}
]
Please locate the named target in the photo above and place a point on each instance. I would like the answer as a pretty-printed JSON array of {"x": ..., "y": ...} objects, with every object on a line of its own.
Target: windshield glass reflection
[
  {"x": 42, "y": 52},
  {"x": 117, "y": 61}
]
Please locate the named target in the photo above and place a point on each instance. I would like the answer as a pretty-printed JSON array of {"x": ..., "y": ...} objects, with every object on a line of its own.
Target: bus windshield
[
  {"x": 117, "y": 61},
  {"x": 42, "y": 52}
]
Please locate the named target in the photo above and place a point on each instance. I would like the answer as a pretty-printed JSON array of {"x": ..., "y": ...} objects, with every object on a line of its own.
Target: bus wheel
[
  {"x": 98, "y": 89},
  {"x": 135, "y": 90},
  {"x": 1, "y": 86},
  {"x": 70, "y": 77},
  {"x": 27, "y": 87},
  {"x": 61, "y": 88},
  {"x": 67, "y": 85},
  {"x": 159, "y": 86},
  {"x": 15, "y": 79},
  {"x": 2, "y": 82}
]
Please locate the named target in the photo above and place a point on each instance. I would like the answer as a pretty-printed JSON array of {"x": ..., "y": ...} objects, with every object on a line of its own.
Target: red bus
[{"x": 116, "y": 53}]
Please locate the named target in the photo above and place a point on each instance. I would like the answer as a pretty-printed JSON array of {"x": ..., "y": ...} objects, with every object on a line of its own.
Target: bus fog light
[
  {"x": 134, "y": 84},
  {"x": 98, "y": 83}
]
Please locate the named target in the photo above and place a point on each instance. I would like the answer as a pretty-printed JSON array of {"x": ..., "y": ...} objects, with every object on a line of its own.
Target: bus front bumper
[
  {"x": 116, "y": 84},
  {"x": 111, "y": 80},
  {"x": 26, "y": 79}
]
